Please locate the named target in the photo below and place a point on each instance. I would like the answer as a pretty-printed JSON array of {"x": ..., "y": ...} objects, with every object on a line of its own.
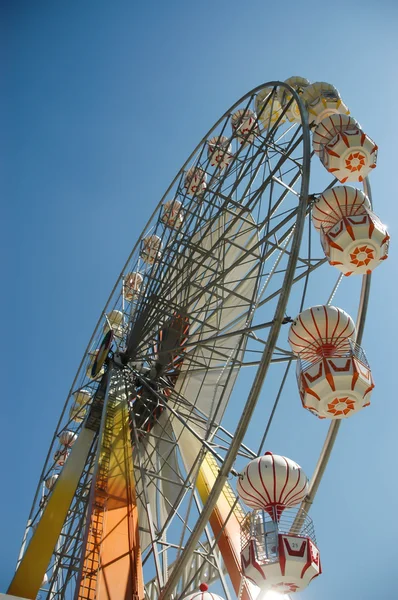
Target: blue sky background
[{"x": 101, "y": 104}]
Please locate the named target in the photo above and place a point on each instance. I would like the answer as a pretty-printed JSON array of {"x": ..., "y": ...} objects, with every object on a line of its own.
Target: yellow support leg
[{"x": 29, "y": 575}]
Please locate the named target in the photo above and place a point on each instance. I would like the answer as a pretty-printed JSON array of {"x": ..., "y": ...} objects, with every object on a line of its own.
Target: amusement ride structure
[{"x": 157, "y": 483}]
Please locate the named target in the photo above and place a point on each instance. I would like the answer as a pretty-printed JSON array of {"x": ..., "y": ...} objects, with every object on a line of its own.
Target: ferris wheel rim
[{"x": 366, "y": 279}]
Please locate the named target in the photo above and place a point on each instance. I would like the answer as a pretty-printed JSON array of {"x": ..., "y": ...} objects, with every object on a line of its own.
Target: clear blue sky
[{"x": 101, "y": 104}]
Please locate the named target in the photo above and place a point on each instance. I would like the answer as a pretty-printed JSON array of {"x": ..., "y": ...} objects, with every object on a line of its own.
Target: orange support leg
[
  {"x": 225, "y": 525},
  {"x": 112, "y": 568}
]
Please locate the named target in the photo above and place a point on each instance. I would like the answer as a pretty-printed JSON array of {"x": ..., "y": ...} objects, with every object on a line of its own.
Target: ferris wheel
[{"x": 156, "y": 484}]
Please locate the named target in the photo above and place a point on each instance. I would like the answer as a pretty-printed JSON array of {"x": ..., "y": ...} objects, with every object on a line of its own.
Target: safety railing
[
  {"x": 315, "y": 353},
  {"x": 265, "y": 527}
]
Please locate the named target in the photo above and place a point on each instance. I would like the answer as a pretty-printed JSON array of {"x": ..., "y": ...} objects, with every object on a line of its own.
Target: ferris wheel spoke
[
  {"x": 298, "y": 278},
  {"x": 186, "y": 486},
  {"x": 231, "y": 294},
  {"x": 198, "y": 573},
  {"x": 198, "y": 558},
  {"x": 253, "y": 199},
  {"x": 181, "y": 289},
  {"x": 217, "y": 564},
  {"x": 186, "y": 423},
  {"x": 176, "y": 516},
  {"x": 142, "y": 485},
  {"x": 244, "y": 255},
  {"x": 287, "y": 187}
]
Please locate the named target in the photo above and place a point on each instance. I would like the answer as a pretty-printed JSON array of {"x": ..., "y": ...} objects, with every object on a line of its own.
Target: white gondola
[
  {"x": 219, "y": 151},
  {"x": 195, "y": 181},
  {"x": 344, "y": 149},
  {"x": 151, "y": 247},
  {"x": 278, "y": 546},
  {"x": 353, "y": 238},
  {"x": 323, "y": 100},
  {"x": 132, "y": 285},
  {"x": 333, "y": 375},
  {"x": 268, "y": 108},
  {"x": 115, "y": 321},
  {"x": 298, "y": 84},
  {"x": 82, "y": 397},
  {"x": 336, "y": 203},
  {"x": 245, "y": 125},
  {"x": 272, "y": 481},
  {"x": 172, "y": 214},
  {"x": 60, "y": 457},
  {"x": 321, "y": 330},
  {"x": 329, "y": 128},
  {"x": 77, "y": 413},
  {"x": 67, "y": 438},
  {"x": 51, "y": 481}
]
